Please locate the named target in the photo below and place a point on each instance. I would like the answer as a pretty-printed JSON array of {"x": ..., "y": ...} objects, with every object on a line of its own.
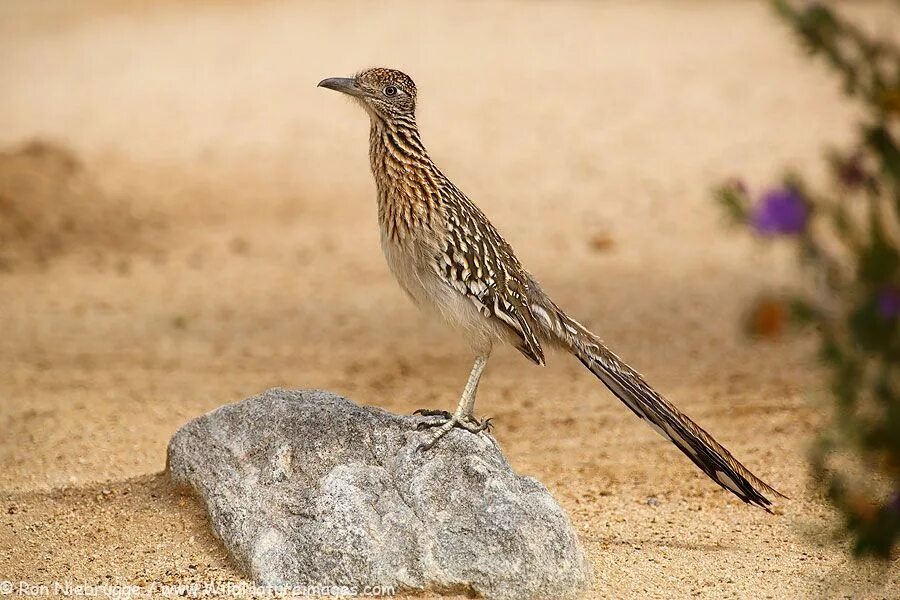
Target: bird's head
[{"x": 387, "y": 94}]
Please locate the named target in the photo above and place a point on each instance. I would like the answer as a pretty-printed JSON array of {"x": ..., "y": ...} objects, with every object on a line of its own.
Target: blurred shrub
[{"x": 848, "y": 241}]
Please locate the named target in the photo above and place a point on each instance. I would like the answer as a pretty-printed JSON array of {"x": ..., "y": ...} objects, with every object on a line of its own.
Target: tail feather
[{"x": 663, "y": 416}]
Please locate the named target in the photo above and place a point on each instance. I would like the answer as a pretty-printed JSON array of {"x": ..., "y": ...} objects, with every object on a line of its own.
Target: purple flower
[
  {"x": 889, "y": 303},
  {"x": 780, "y": 211}
]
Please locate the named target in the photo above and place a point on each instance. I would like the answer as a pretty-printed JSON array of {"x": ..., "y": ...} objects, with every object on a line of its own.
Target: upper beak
[{"x": 342, "y": 84}]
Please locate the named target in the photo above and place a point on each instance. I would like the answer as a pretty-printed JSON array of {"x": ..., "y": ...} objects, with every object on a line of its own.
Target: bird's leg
[{"x": 463, "y": 416}]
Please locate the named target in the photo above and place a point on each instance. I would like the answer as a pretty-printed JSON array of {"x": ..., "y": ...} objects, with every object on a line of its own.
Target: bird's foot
[
  {"x": 430, "y": 412},
  {"x": 448, "y": 421}
]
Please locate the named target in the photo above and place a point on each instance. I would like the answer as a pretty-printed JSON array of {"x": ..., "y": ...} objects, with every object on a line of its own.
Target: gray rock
[{"x": 307, "y": 488}]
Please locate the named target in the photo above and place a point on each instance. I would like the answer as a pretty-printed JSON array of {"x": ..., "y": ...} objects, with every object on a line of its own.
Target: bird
[{"x": 449, "y": 258}]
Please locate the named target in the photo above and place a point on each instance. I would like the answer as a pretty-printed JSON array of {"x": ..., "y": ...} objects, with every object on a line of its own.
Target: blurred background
[{"x": 186, "y": 220}]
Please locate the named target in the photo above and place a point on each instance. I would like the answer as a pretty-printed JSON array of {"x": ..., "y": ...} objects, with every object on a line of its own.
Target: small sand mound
[{"x": 50, "y": 205}]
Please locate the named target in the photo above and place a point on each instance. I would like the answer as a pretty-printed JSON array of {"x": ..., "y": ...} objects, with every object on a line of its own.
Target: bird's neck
[
  {"x": 406, "y": 179},
  {"x": 396, "y": 144}
]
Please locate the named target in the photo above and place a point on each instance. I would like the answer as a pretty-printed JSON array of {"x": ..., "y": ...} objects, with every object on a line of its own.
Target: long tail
[{"x": 626, "y": 383}]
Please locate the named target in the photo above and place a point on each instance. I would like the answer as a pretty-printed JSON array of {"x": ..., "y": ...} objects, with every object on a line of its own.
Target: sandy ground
[{"x": 240, "y": 253}]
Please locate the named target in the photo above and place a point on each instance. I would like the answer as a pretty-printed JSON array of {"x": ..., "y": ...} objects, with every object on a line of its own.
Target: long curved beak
[{"x": 342, "y": 84}]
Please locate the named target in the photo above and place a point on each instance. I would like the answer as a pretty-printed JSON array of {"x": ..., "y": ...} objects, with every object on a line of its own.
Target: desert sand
[{"x": 188, "y": 221}]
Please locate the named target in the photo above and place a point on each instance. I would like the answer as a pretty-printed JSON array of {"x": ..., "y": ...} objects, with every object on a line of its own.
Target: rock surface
[{"x": 307, "y": 488}]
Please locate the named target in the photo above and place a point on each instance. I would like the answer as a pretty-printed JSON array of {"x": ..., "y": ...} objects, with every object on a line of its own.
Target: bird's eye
[{"x": 390, "y": 91}]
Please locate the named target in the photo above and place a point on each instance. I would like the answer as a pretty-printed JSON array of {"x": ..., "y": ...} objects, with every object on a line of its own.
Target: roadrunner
[{"x": 448, "y": 257}]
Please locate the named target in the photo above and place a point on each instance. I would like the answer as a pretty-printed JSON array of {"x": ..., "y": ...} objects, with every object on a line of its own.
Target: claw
[
  {"x": 428, "y": 412},
  {"x": 447, "y": 423},
  {"x": 425, "y": 445},
  {"x": 444, "y": 430},
  {"x": 474, "y": 425}
]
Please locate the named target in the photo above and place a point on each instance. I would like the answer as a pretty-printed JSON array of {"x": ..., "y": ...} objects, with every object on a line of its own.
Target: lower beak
[{"x": 343, "y": 85}]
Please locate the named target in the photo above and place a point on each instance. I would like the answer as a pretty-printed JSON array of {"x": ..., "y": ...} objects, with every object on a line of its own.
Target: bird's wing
[{"x": 478, "y": 263}]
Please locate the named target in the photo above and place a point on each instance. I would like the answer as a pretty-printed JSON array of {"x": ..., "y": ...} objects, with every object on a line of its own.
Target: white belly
[{"x": 414, "y": 267}]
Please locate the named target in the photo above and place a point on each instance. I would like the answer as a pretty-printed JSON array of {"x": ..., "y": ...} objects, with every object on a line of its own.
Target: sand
[{"x": 237, "y": 251}]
